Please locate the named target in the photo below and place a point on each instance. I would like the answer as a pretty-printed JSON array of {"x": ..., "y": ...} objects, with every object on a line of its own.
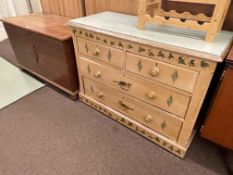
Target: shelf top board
[
  {"x": 49, "y": 25},
  {"x": 178, "y": 40}
]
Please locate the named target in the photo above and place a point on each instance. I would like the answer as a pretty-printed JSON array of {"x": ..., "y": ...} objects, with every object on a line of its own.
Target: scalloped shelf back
[{"x": 150, "y": 11}]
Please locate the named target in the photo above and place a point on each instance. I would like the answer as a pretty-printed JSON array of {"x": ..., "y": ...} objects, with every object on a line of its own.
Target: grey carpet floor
[{"x": 46, "y": 133}]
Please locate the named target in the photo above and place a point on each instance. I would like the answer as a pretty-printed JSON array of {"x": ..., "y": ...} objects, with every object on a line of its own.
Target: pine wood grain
[
  {"x": 49, "y": 25},
  {"x": 67, "y": 8}
]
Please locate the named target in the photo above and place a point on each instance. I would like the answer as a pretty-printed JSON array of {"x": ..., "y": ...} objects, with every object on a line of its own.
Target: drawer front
[
  {"x": 141, "y": 88},
  {"x": 101, "y": 52},
  {"x": 150, "y": 116},
  {"x": 171, "y": 75}
]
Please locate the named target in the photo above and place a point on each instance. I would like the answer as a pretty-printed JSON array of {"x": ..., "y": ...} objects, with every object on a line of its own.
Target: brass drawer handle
[
  {"x": 124, "y": 106},
  {"x": 155, "y": 72},
  {"x": 96, "y": 52},
  {"x": 151, "y": 95},
  {"x": 148, "y": 118},
  {"x": 97, "y": 74},
  {"x": 100, "y": 95},
  {"x": 124, "y": 85}
]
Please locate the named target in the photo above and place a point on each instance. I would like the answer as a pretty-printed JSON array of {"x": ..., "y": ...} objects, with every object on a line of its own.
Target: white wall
[
  {"x": 21, "y": 6},
  {"x": 36, "y": 6}
]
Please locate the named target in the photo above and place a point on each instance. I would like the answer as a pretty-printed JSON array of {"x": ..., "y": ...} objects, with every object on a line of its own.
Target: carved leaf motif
[
  {"x": 112, "y": 43},
  {"x": 109, "y": 56},
  {"x": 140, "y": 49},
  {"x": 175, "y": 76},
  {"x": 86, "y": 34},
  {"x": 130, "y": 46},
  {"x": 143, "y": 131},
  {"x": 204, "y": 64},
  {"x": 170, "y": 56},
  {"x": 91, "y": 36},
  {"x": 192, "y": 63},
  {"x": 130, "y": 123},
  {"x": 97, "y": 38},
  {"x": 105, "y": 41},
  {"x": 150, "y": 53},
  {"x": 123, "y": 120},
  {"x": 170, "y": 101},
  {"x": 164, "y": 143},
  {"x": 140, "y": 66},
  {"x": 157, "y": 139},
  {"x": 86, "y": 47},
  {"x": 163, "y": 125},
  {"x": 120, "y": 44},
  {"x": 80, "y": 32},
  {"x": 181, "y": 60},
  {"x": 161, "y": 54}
]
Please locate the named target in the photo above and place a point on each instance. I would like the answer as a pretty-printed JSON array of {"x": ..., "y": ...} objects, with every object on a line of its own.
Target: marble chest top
[{"x": 178, "y": 40}]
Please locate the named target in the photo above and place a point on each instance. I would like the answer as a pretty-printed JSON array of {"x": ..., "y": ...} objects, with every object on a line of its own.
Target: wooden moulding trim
[
  {"x": 153, "y": 136},
  {"x": 176, "y": 22},
  {"x": 49, "y": 81},
  {"x": 158, "y": 45},
  {"x": 185, "y": 15},
  {"x": 191, "y": 62}
]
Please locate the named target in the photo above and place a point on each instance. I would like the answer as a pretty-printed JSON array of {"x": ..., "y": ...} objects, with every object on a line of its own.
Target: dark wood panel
[
  {"x": 48, "y": 58},
  {"x": 22, "y": 45},
  {"x": 53, "y": 62},
  {"x": 218, "y": 126}
]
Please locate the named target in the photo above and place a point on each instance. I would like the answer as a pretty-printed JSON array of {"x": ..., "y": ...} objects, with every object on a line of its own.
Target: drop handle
[
  {"x": 36, "y": 54},
  {"x": 97, "y": 74},
  {"x": 154, "y": 72},
  {"x": 148, "y": 118},
  {"x": 96, "y": 52},
  {"x": 125, "y": 106},
  {"x": 151, "y": 95}
]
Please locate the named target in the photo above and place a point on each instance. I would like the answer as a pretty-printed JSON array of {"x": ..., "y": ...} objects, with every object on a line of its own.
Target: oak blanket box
[
  {"x": 152, "y": 81},
  {"x": 43, "y": 46}
]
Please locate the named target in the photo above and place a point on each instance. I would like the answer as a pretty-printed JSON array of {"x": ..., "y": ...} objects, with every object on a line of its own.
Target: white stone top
[{"x": 174, "y": 39}]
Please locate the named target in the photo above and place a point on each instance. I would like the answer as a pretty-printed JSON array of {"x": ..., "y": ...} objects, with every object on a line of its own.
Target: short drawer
[
  {"x": 101, "y": 52},
  {"x": 148, "y": 115},
  {"x": 138, "y": 87},
  {"x": 171, "y": 75}
]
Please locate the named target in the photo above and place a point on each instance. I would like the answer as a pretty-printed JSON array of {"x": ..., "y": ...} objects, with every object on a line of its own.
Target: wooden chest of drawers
[{"x": 152, "y": 87}]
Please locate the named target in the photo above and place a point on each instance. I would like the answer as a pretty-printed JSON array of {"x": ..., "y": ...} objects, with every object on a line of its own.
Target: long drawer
[
  {"x": 101, "y": 52},
  {"x": 141, "y": 88},
  {"x": 171, "y": 75},
  {"x": 148, "y": 115}
]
